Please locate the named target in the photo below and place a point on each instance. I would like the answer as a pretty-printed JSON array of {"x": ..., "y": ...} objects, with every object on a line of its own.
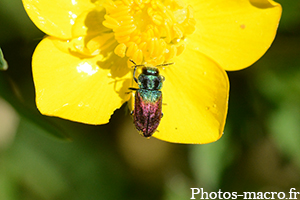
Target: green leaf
[
  {"x": 3, "y": 63},
  {"x": 43, "y": 123},
  {"x": 284, "y": 124},
  {"x": 27, "y": 164}
]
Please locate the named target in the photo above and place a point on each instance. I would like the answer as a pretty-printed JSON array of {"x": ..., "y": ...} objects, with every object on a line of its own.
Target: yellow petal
[
  {"x": 86, "y": 90},
  {"x": 235, "y": 33},
  {"x": 195, "y": 98},
  {"x": 56, "y": 17}
]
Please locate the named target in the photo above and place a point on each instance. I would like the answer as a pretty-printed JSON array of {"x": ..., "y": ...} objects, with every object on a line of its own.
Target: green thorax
[
  {"x": 150, "y": 79},
  {"x": 150, "y": 95}
]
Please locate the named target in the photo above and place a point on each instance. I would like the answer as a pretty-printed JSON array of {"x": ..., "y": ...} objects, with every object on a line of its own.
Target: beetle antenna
[
  {"x": 132, "y": 62},
  {"x": 134, "y": 71},
  {"x": 164, "y": 64}
]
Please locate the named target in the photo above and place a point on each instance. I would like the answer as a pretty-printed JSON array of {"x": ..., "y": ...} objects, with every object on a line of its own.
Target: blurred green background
[{"x": 259, "y": 151}]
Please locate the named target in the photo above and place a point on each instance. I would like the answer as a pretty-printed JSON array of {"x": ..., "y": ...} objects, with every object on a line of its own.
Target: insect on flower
[{"x": 148, "y": 99}]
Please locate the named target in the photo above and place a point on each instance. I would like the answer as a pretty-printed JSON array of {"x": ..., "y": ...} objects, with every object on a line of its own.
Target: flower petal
[
  {"x": 89, "y": 22},
  {"x": 86, "y": 90},
  {"x": 235, "y": 33},
  {"x": 195, "y": 98},
  {"x": 56, "y": 17}
]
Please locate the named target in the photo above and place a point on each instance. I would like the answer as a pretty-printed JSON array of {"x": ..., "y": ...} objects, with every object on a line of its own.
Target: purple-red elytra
[{"x": 147, "y": 111}]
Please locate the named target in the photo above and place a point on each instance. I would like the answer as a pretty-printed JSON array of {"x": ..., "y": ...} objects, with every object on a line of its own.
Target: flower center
[{"x": 149, "y": 31}]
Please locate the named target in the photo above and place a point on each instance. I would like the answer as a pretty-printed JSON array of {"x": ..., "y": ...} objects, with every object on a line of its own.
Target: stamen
[
  {"x": 157, "y": 19},
  {"x": 120, "y": 50},
  {"x": 149, "y": 31},
  {"x": 131, "y": 49},
  {"x": 180, "y": 49},
  {"x": 111, "y": 22}
]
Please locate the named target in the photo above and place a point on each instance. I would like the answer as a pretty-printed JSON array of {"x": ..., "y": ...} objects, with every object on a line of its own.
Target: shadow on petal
[
  {"x": 262, "y": 3},
  {"x": 93, "y": 22},
  {"x": 119, "y": 72}
]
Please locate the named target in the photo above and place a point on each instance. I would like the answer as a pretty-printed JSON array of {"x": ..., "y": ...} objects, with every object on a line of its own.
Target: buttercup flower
[{"x": 82, "y": 70}]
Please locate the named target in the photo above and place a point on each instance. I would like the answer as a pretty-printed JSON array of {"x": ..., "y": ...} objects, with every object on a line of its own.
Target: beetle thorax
[{"x": 150, "y": 79}]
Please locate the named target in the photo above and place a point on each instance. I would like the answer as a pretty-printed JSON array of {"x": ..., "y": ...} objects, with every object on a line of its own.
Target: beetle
[{"x": 147, "y": 111}]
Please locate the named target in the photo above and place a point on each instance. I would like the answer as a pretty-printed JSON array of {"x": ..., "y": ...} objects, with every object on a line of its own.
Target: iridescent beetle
[{"x": 148, "y": 99}]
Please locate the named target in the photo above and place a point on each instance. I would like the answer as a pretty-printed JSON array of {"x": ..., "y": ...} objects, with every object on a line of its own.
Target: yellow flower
[{"x": 82, "y": 71}]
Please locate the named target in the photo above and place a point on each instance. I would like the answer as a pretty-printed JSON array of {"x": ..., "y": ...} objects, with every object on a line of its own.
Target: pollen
[{"x": 149, "y": 31}]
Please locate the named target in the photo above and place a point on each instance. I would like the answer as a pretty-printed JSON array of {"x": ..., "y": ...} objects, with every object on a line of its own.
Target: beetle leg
[
  {"x": 132, "y": 89},
  {"x": 134, "y": 71}
]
